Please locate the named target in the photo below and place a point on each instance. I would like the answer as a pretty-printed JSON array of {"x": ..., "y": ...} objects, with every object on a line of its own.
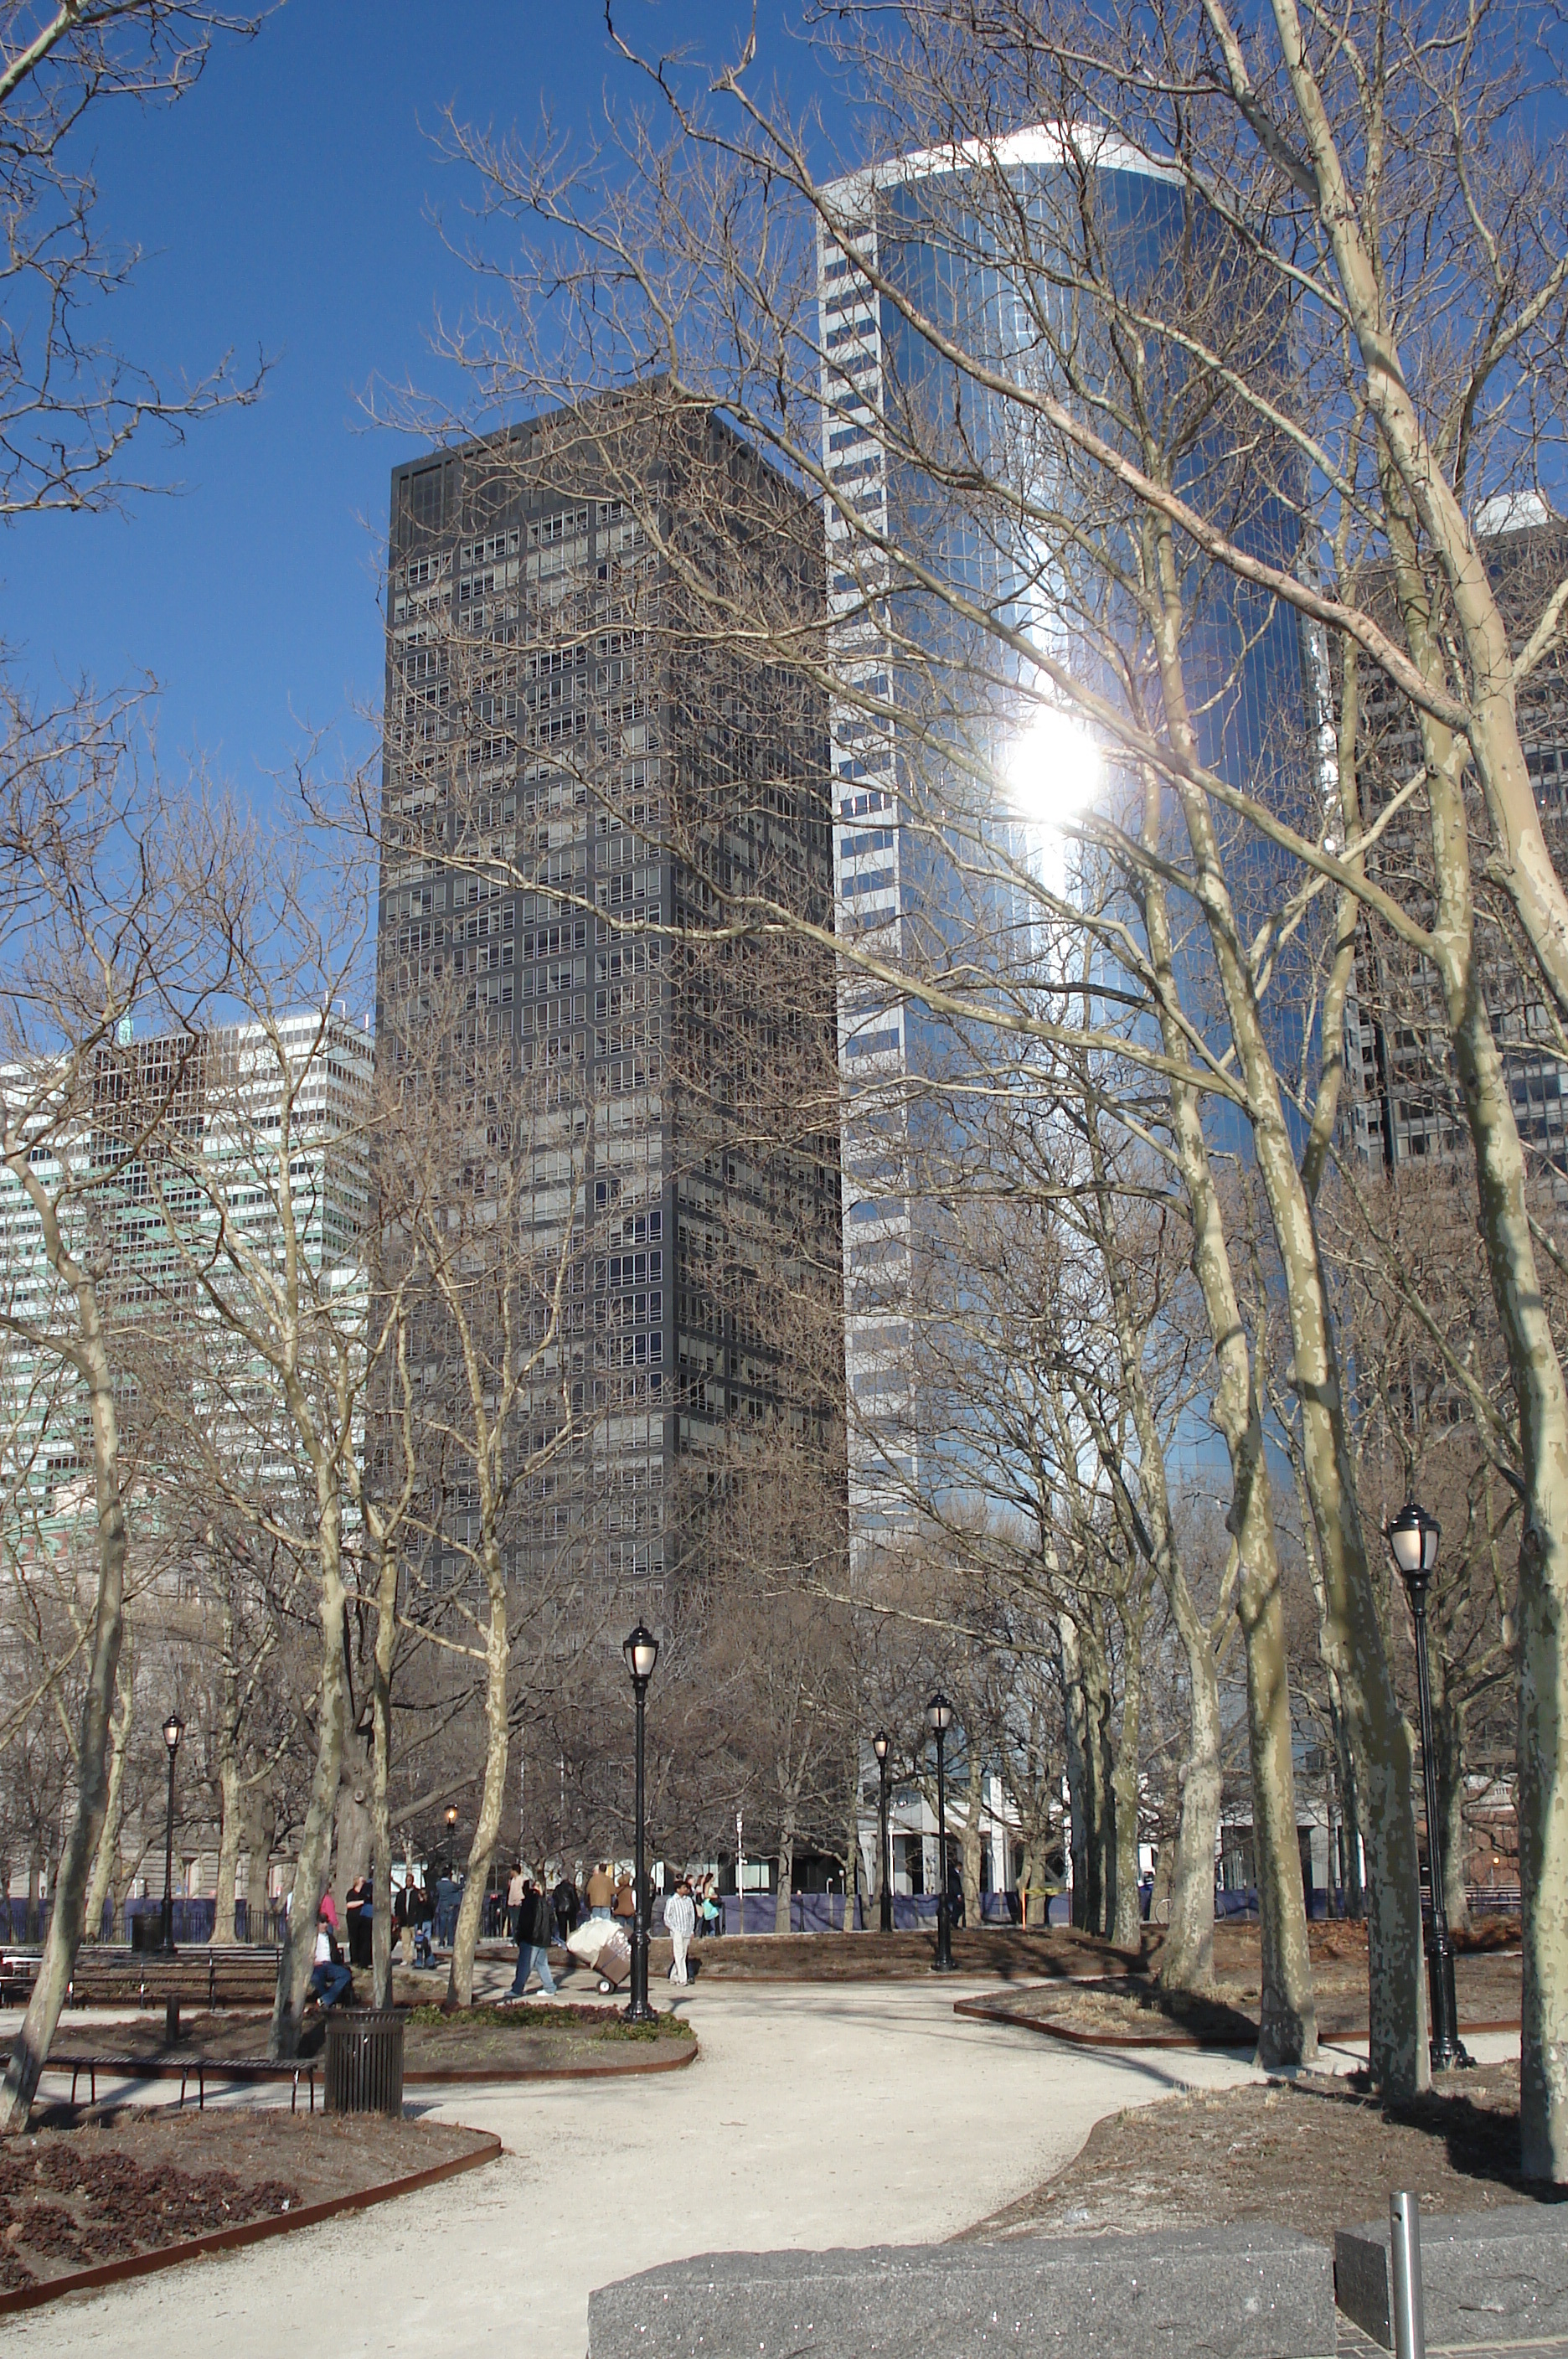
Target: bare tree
[{"x": 71, "y": 404}]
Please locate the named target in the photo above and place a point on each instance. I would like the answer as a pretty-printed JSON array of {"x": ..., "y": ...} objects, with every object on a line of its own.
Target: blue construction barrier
[
  {"x": 193, "y": 1919},
  {"x": 810, "y": 1912},
  {"x": 822, "y": 1912}
]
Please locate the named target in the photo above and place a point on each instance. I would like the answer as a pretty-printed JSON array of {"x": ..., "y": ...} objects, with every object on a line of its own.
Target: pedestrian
[
  {"x": 601, "y": 1892},
  {"x": 533, "y": 1942},
  {"x": 710, "y": 1909},
  {"x": 564, "y": 1902},
  {"x": 359, "y": 1909},
  {"x": 330, "y": 1980},
  {"x": 624, "y": 1905},
  {"x": 423, "y": 1911},
  {"x": 514, "y": 1899},
  {"x": 679, "y": 1923},
  {"x": 449, "y": 1892}
]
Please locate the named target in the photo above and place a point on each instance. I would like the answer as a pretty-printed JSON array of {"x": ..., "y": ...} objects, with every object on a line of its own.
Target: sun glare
[{"x": 1053, "y": 768}]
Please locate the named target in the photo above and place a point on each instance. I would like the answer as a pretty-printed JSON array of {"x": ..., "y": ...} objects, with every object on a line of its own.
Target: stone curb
[
  {"x": 254, "y": 2232},
  {"x": 1486, "y": 2277},
  {"x": 1249, "y": 2292}
]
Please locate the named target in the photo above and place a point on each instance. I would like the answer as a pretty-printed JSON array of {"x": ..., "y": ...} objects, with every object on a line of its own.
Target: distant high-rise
[
  {"x": 926, "y": 224},
  {"x": 571, "y": 778},
  {"x": 167, "y": 1137},
  {"x": 1403, "y": 1105}
]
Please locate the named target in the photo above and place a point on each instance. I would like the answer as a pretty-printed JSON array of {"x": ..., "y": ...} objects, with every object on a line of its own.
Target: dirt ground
[
  {"x": 1486, "y": 1978},
  {"x": 1487, "y": 1988},
  {"x": 1309, "y": 2154},
  {"x": 70, "y": 2199},
  {"x": 1007, "y": 1952},
  {"x": 513, "y": 2038}
]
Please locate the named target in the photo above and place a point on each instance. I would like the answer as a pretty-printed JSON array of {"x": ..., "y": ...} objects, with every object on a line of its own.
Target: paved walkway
[{"x": 816, "y": 2116}]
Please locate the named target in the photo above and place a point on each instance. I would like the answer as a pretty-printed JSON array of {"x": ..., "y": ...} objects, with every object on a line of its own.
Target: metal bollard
[{"x": 1406, "y": 2306}]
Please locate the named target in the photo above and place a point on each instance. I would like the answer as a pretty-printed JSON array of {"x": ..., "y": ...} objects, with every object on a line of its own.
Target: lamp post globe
[
  {"x": 1413, "y": 1538},
  {"x": 880, "y": 1746},
  {"x": 939, "y": 1719},
  {"x": 173, "y": 1730},
  {"x": 641, "y": 1651}
]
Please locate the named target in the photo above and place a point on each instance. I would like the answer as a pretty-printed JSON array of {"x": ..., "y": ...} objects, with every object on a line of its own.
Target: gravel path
[{"x": 854, "y": 2114}]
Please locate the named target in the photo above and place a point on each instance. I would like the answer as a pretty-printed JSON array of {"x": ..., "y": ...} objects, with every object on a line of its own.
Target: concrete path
[{"x": 816, "y": 2116}]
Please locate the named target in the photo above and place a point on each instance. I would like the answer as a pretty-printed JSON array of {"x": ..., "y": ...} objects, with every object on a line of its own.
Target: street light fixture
[
  {"x": 641, "y": 1651},
  {"x": 173, "y": 1730},
  {"x": 939, "y": 1719},
  {"x": 451, "y": 1838},
  {"x": 1413, "y": 1538},
  {"x": 880, "y": 1747}
]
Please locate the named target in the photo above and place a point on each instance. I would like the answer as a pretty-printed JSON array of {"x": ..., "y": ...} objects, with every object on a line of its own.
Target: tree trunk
[
  {"x": 1100, "y": 1794},
  {"x": 852, "y": 1860},
  {"x": 1126, "y": 1924},
  {"x": 1074, "y": 1706},
  {"x": 1542, "y": 1401},
  {"x": 1187, "y": 1962},
  {"x": 103, "y": 1877},
  {"x": 493, "y": 1794},
  {"x": 31, "y": 2045},
  {"x": 381, "y": 1775},
  {"x": 1349, "y": 1816},
  {"x": 1399, "y": 2059},
  {"x": 1288, "y": 2023},
  {"x": 786, "y": 1866},
  {"x": 1287, "y": 2013},
  {"x": 1448, "y": 1753},
  {"x": 970, "y": 1845},
  {"x": 316, "y": 1834},
  {"x": 228, "y": 1844}
]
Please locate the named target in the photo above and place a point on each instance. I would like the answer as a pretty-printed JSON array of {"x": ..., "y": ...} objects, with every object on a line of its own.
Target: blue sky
[{"x": 285, "y": 205}]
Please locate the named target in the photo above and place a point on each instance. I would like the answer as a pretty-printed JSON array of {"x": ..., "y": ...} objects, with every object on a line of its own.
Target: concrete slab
[
  {"x": 857, "y": 2113},
  {"x": 1252, "y": 2292},
  {"x": 1486, "y": 2277}
]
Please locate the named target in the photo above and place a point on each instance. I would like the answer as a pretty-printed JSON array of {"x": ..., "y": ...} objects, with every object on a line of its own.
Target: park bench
[
  {"x": 197, "y": 2068},
  {"x": 105, "y": 1976}
]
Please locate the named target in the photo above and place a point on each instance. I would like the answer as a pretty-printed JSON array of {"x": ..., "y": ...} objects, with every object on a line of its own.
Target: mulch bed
[
  {"x": 139, "y": 2189},
  {"x": 1311, "y": 2154},
  {"x": 1123, "y": 2014},
  {"x": 480, "y": 2042},
  {"x": 1125, "y": 2010},
  {"x": 1006, "y": 1952}
]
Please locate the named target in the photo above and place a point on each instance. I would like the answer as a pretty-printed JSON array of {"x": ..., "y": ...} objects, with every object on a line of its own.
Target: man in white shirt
[
  {"x": 680, "y": 1923},
  {"x": 330, "y": 1978}
]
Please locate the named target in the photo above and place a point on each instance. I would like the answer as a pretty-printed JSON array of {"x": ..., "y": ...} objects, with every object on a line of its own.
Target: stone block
[
  {"x": 1486, "y": 2277},
  {"x": 1248, "y": 2292}
]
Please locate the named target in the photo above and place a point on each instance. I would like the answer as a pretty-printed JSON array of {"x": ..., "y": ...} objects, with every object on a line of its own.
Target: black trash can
[{"x": 364, "y": 2061}]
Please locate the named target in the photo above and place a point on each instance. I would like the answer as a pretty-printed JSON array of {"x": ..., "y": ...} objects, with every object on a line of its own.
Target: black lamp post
[
  {"x": 452, "y": 1839},
  {"x": 1414, "y": 1536},
  {"x": 641, "y": 1651},
  {"x": 173, "y": 1730},
  {"x": 880, "y": 1747},
  {"x": 939, "y": 1719}
]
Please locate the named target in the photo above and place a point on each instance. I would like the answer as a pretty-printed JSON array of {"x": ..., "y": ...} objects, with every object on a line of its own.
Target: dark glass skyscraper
[{"x": 566, "y": 770}]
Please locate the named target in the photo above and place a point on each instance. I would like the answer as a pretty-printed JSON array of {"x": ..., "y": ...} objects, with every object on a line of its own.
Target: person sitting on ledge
[{"x": 330, "y": 1980}]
